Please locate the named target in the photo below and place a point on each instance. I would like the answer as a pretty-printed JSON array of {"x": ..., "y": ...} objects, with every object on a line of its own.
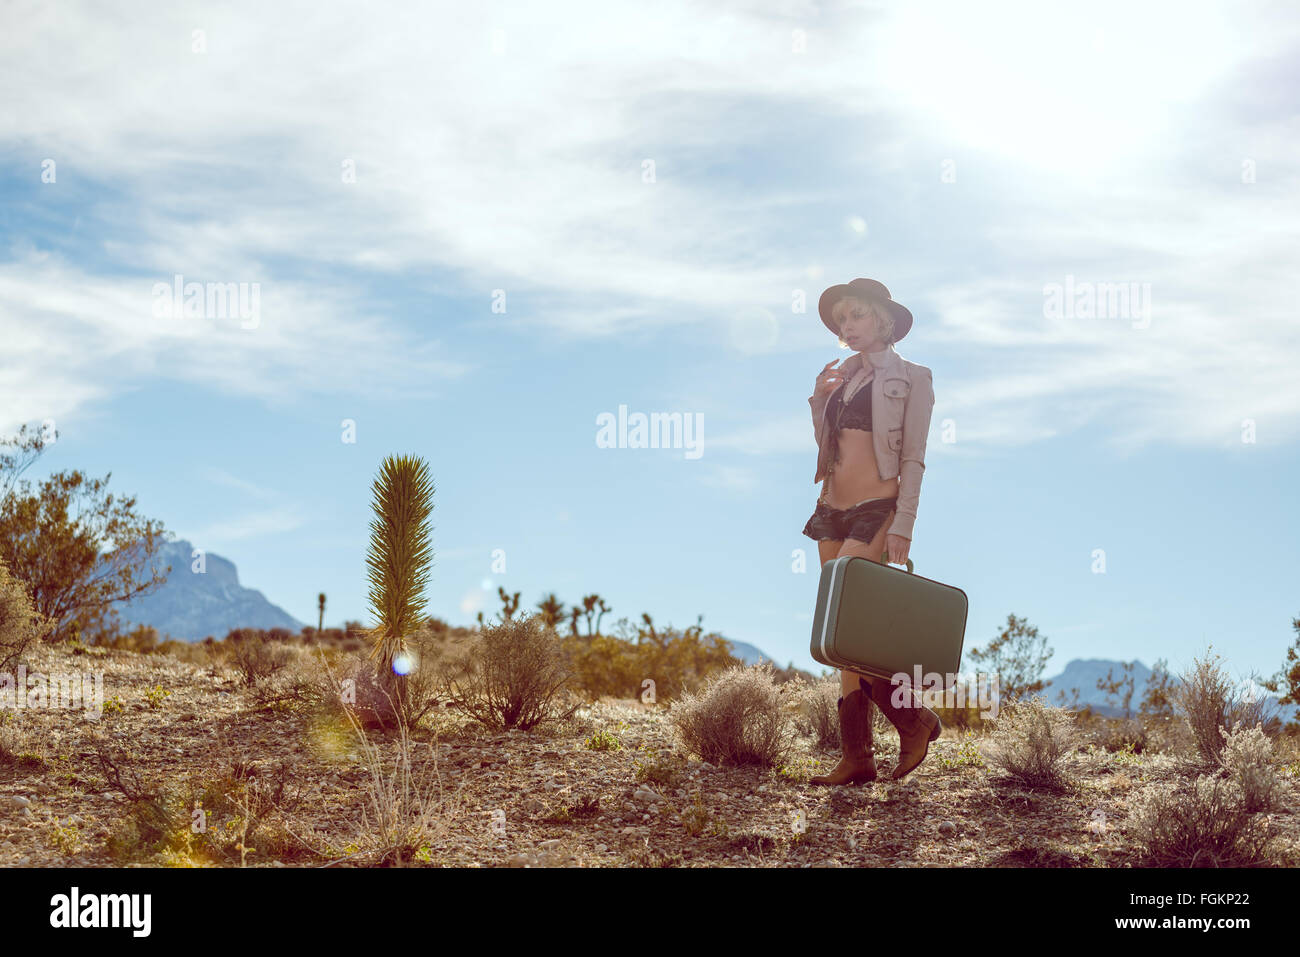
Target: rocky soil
[{"x": 542, "y": 798}]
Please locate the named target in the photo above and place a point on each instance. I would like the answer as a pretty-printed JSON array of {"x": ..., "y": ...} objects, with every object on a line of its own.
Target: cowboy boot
[
  {"x": 917, "y": 725},
  {"x": 857, "y": 760}
]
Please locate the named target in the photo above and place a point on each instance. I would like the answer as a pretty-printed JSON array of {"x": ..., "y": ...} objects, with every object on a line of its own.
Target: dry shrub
[
  {"x": 244, "y": 819},
  {"x": 1212, "y": 702},
  {"x": 19, "y": 748},
  {"x": 297, "y": 682},
  {"x": 407, "y": 809},
  {"x": 353, "y": 692},
  {"x": 357, "y": 688},
  {"x": 233, "y": 816},
  {"x": 1248, "y": 755},
  {"x": 818, "y": 713},
  {"x": 1031, "y": 740},
  {"x": 740, "y": 717},
  {"x": 191, "y": 652},
  {"x": 1206, "y": 825},
  {"x": 1121, "y": 734},
  {"x": 20, "y": 623},
  {"x": 617, "y": 665},
  {"x": 1167, "y": 734},
  {"x": 423, "y": 688},
  {"x": 256, "y": 658},
  {"x": 142, "y": 639},
  {"x": 517, "y": 675}
]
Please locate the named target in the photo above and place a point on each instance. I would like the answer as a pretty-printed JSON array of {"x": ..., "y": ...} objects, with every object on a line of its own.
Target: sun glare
[{"x": 1080, "y": 87}]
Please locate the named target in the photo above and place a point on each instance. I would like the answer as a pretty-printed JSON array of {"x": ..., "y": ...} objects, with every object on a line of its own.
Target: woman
[{"x": 871, "y": 417}]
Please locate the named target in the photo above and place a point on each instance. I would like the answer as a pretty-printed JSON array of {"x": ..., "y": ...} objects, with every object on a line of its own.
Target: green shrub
[
  {"x": 20, "y": 623},
  {"x": 603, "y": 741}
]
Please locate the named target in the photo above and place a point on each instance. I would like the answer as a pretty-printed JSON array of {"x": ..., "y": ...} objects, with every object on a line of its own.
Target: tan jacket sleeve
[
  {"x": 911, "y": 465},
  {"x": 818, "y": 408}
]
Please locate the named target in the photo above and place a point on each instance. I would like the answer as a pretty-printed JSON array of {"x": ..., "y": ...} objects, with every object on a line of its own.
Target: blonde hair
[{"x": 884, "y": 318}]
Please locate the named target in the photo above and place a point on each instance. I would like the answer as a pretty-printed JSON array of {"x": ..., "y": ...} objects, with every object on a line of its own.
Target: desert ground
[{"x": 186, "y": 767}]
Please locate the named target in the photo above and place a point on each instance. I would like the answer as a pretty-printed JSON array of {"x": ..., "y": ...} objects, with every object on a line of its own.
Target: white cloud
[
  {"x": 272, "y": 521},
  {"x": 504, "y": 146},
  {"x": 72, "y": 338},
  {"x": 222, "y": 477}
]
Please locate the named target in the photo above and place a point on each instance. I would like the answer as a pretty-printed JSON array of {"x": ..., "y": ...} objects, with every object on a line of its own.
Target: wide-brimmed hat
[{"x": 873, "y": 292}]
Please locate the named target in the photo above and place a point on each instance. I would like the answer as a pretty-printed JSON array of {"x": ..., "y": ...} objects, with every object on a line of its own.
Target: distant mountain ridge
[
  {"x": 191, "y": 605},
  {"x": 1083, "y": 674},
  {"x": 748, "y": 653}
]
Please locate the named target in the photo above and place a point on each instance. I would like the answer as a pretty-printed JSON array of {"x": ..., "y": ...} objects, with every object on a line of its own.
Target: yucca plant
[{"x": 401, "y": 553}]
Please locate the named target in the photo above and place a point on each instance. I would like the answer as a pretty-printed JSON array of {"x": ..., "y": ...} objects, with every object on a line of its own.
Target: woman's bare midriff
[{"x": 855, "y": 476}]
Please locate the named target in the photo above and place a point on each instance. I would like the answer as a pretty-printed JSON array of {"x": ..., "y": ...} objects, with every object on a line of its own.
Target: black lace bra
[{"x": 856, "y": 414}]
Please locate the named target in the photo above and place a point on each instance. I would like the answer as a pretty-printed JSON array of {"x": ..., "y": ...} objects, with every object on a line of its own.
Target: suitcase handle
[{"x": 884, "y": 560}]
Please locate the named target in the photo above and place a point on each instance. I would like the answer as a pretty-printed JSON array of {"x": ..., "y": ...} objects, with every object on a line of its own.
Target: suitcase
[{"x": 876, "y": 620}]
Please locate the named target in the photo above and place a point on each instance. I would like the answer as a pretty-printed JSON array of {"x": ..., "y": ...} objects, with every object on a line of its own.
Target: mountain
[
  {"x": 190, "y": 605},
  {"x": 1083, "y": 674},
  {"x": 748, "y": 653}
]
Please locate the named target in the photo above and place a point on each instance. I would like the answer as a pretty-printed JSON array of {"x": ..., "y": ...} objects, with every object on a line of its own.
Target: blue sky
[{"x": 969, "y": 161}]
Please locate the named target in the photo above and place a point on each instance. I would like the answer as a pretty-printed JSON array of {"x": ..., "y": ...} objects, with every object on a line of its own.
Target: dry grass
[
  {"x": 817, "y": 713},
  {"x": 1211, "y": 703},
  {"x": 1033, "y": 742},
  {"x": 1248, "y": 756},
  {"x": 300, "y": 785},
  {"x": 256, "y": 659},
  {"x": 516, "y": 675},
  {"x": 1205, "y": 825},
  {"x": 408, "y": 807},
  {"x": 740, "y": 717}
]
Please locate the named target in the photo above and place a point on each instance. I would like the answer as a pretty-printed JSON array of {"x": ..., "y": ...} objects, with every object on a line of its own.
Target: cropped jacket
[{"x": 902, "y": 398}]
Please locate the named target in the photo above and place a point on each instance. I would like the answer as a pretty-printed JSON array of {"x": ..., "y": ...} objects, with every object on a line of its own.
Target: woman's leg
[
  {"x": 916, "y": 726},
  {"x": 828, "y": 549},
  {"x": 873, "y": 550},
  {"x": 857, "y": 759}
]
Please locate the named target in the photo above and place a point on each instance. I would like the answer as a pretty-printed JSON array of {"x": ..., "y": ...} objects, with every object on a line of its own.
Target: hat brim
[{"x": 902, "y": 315}]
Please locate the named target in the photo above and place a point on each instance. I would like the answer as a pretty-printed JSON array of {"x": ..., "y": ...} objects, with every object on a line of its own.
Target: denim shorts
[{"x": 861, "y": 521}]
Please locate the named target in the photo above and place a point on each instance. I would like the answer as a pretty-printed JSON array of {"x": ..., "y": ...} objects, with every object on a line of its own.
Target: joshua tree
[
  {"x": 320, "y": 603},
  {"x": 510, "y": 604},
  {"x": 552, "y": 610},
  {"x": 401, "y": 553},
  {"x": 590, "y": 604}
]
